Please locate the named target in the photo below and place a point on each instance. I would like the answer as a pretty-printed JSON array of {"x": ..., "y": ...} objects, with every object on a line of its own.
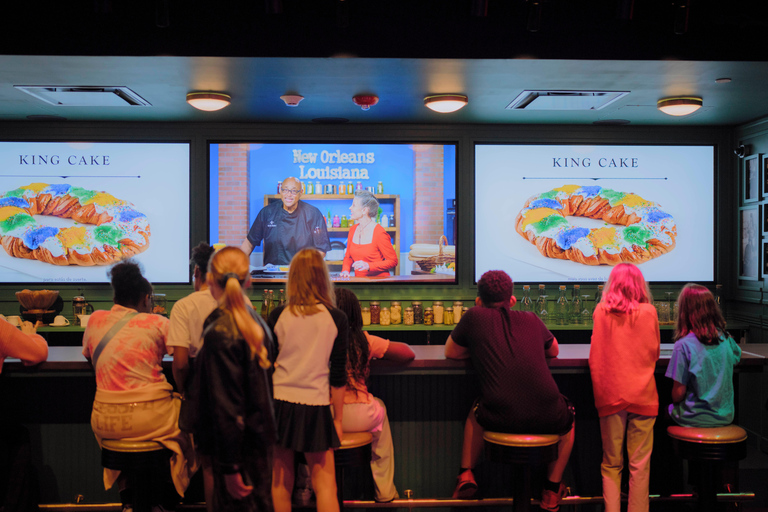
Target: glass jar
[
  {"x": 458, "y": 309},
  {"x": 408, "y": 316},
  {"x": 418, "y": 313},
  {"x": 396, "y": 312},
  {"x": 366, "y": 312},
  {"x": 385, "y": 318},
  {"x": 375, "y": 312},
  {"x": 439, "y": 310},
  {"x": 448, "y": 316},
  {"x": 429, "y": 316}
]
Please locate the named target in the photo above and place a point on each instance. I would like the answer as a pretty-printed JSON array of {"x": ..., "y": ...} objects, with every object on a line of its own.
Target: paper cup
[{"x": 84, "y": 320}]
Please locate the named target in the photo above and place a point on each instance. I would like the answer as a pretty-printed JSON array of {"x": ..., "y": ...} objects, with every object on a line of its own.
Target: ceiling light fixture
[
  {"x": 445, "y": 103},
  {"x": 680, "y": 105},
  {"x": 208, "y": 101},
  {"x": 292, "y": 100},
  {"x": 365, "y": 101}
]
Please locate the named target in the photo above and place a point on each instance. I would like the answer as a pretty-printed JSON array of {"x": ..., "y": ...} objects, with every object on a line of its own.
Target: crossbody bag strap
[{"x": 108, "y": 337}]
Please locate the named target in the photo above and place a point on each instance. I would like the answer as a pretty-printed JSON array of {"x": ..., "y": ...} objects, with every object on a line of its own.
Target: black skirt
[{"x": 305, "y": 428}]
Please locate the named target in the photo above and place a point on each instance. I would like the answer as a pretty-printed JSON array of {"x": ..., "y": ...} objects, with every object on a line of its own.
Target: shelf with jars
[{"x": 390, "y": 204}]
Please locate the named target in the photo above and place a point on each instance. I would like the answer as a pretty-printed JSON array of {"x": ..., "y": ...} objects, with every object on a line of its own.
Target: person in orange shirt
[
  {"x": 369, "y": 246},
  {"x": 622, "y": 359}
]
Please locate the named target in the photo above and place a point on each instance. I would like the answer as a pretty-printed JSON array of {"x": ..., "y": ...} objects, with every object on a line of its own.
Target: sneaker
[
  {"x": 550, "y": 500},
  {"x": 466, "y": 486}
]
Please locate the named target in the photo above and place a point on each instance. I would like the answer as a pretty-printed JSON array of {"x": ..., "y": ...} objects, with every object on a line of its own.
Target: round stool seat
[
  {"x": 709, "y": 435},
  {"x": 351, "y": 440},
  {"x": 120, "y": 445},
  {"x": 521, "y": 440}
]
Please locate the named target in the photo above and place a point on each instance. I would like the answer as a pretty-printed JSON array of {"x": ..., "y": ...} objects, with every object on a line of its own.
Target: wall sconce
[
  {"x": 208, "y": 101},
  {"x": 680, "y": 106},
  {"x": 365, "y": 101},
  {"x": 445, "y": 103}
]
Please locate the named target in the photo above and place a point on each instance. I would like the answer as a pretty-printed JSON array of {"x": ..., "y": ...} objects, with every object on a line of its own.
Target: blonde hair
[
  {"x": 308, "y": 283},
  {"x": 228, "y": 268},
  {"x": 625, "y": 289}
]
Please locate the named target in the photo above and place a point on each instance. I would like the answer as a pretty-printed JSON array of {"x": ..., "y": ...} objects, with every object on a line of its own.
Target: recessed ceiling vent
[
  {"x": 85, "y": 96},
  {"x": 565, "y": 100}
]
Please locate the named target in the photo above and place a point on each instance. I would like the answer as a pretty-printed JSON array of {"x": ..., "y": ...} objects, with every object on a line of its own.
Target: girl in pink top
[{"x": 622, "y": 359}]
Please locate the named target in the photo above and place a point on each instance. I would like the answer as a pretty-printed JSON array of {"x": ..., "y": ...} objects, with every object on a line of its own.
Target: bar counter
[{"x": 573, "y": 358}]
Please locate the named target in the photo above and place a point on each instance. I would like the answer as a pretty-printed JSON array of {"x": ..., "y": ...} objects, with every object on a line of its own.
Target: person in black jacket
[{"x": 235, "y": 424}]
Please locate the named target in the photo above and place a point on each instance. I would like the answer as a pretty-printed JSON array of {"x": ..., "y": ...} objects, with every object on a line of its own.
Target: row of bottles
[
  {"x": 334, "y": 221},
  {"x": 268, "y": 302},
  {"x": 343, "y": 188},
  {"x": 566, "y": 311}
]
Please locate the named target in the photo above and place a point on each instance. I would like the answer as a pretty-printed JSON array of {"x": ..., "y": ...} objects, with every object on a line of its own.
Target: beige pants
[{"x": 638, "y": 431}]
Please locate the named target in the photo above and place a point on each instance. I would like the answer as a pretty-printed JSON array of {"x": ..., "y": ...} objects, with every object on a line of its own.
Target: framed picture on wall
[
  {"x": 750, "y": 180},
  {"x": 764, "y": 176},
  {"x": 749, "y": 254}
]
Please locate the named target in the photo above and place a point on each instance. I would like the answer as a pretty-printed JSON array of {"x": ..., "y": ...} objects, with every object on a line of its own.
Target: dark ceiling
[{"x": 330, "y": 50}]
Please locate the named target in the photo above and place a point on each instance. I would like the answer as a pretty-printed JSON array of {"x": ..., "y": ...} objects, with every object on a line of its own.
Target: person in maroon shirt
[{"x": 518, "y": 394}]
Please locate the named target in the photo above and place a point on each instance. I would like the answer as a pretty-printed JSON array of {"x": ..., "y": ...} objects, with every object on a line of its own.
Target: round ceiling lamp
[
  {"x": 209, "y": 101},
  {"x": 292, "y": 100},
  {"x": 680, "y": 105},
  {"x": 365, "y": 101},
  {"x": 445, "y": 103}
]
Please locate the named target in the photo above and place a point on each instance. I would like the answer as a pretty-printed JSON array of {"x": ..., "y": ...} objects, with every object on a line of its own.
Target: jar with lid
[
  {"x": 418, "y": 313},
  {"x": 408, "y": 316},
  {"x": 439, "y": 310},
  {"x": 448, "y": 316},
  {"x": 310, "y": 188},
  {"x": 366, "y": 312},
  {"x": 458, "y": 308},
  {"x": 375, "y": 312},
  {"x": 385, "y": 318},
  {"x": 396, "y": 312},
  {"x": 429, "y": 316},
  {"x": 379, "y": 188},
  {"x": 318, "y": 188},
  {"x": 350, "y": 188}
]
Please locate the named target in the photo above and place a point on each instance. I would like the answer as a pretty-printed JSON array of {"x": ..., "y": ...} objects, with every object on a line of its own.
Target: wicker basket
[{"x": 435, "y": 261}]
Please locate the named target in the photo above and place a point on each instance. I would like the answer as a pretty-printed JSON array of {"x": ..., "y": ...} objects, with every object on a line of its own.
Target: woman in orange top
[{"x": 369, "y": 246}]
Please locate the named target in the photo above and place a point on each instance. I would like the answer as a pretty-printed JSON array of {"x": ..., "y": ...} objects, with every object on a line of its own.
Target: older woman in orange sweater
[
  {"x": 622, "y": 358},
  {"x": 369, "y": 246}
]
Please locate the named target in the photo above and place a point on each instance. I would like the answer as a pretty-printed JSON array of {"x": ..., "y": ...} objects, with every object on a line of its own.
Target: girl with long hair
[
  {"x": 235, "y": 425},
  {"x": 622, "y": 358},
  {"x": 702, "y": 362},
  {"x": 362, "y": 411},
  {"x": 309, "y": 380}
]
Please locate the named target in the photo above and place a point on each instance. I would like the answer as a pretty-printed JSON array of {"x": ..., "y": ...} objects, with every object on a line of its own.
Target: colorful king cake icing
[
  {"x": 112, "y": 229},
  {"x": 639, "y": 230}
]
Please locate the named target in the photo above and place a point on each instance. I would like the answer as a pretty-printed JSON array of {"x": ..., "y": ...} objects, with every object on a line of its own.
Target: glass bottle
[
  {"x": 366, "y": 312},
  {"x": 342, "y": 188},
  {"x": 344, "y": 222},
  {"x": 562, "y": 308},
  {"x": 439, "y": 310},
  {"x": 526, "y": 304},
  {"x": 429, "y": 316},
  {"x": 350, "y": 188},
  {"x": 396, "y": 312},
  {"x": 448, "y": 316},
  {"x": 265, "y": 304},
  {"x": 719, "y": 299},
  {"x": 541, "y": 304},
  {"x": 271, "y": 301},
  {"x": 599, "y": 295},
  {"x": 379, "y": 188},
  {"x": 282, "y": 298},
  {"x": 418, "y": 313},
  {"x": 385, "y": 318},
  {"x": 310, "y": 188},
  {"x": 375, "y": 312},
  {"x": 408, "y": 316},
  {"x": 575, "y": 316},
  {"x": 318, "y": 188},
  {"x": 336, "y": 221}
]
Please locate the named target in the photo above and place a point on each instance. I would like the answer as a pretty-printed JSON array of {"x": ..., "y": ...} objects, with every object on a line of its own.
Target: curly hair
[
  {"x": 358, "y": 351},
  {"x": 495, "y": 286},
  {"x": 128, "y": 283},
  {"x": 201, "y": 255}
]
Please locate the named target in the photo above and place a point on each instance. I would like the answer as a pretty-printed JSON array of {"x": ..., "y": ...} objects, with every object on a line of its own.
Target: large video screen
[
  {"x": 69, "y": 210},
  {"x": 409, "y": 237},
  {"x": 568, "y": 213}
]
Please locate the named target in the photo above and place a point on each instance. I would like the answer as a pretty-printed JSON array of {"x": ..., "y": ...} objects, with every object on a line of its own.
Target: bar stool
[
  {"x": 355, "y": 451},
  {"x": 522, "y": 451},
  {"x": 140, "y": 461},
  {"x": 709, "y": 449}
]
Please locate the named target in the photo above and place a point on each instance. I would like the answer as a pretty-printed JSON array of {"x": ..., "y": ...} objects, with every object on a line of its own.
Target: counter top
[{"x": 573, "y": 358}]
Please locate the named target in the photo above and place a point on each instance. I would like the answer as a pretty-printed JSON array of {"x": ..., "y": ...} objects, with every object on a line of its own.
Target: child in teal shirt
[{"x": 702, "y": 362}]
